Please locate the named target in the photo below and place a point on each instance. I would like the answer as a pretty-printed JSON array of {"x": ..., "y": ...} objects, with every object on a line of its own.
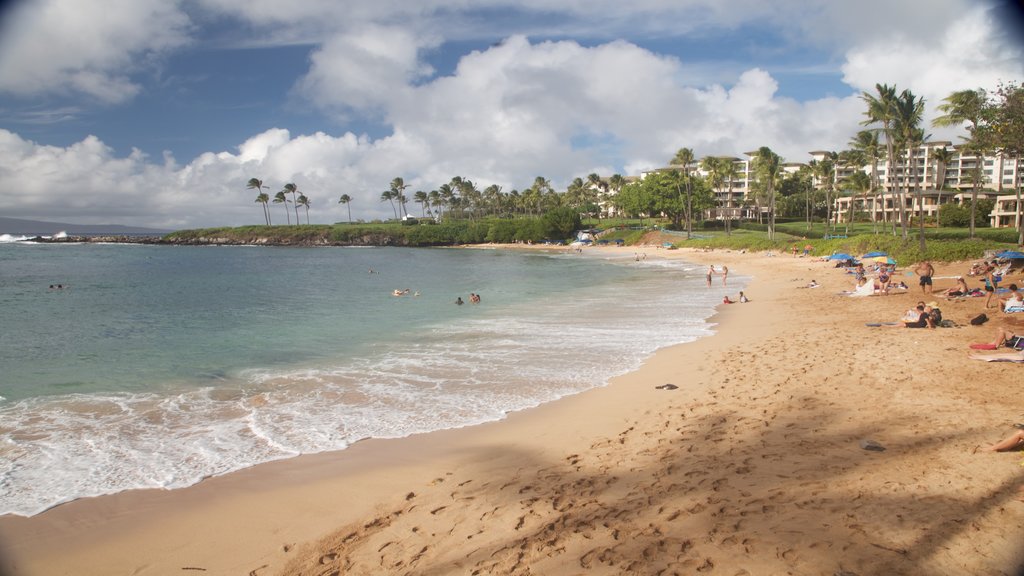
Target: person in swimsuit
[
  {"x": 925, "y": 270},
  {"x": 990, "y": 283},
  {"x": 711, "y": 272}
]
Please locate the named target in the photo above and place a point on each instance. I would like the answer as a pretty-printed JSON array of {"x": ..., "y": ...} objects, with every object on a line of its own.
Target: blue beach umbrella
[
  {"x": 1011, "y": 255},
  {"x": 840, "y": 256},
  {"x": 874, "y": 254}
]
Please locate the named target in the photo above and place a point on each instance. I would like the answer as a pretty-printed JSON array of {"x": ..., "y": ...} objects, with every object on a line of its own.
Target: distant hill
[{"x": 18, "y": 227}]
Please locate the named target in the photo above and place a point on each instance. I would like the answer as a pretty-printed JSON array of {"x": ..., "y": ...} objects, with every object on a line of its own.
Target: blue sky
[{"x": 164, "y": 126}]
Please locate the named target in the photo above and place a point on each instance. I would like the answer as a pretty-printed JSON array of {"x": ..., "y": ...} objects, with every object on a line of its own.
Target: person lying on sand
[{"x": 1014, "y": 442}]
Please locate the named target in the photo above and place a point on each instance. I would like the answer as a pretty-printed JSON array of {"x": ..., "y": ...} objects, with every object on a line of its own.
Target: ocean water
[{"x": 157, "y": 366}]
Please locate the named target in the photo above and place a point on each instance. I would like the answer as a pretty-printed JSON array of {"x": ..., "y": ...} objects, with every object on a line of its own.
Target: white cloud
[
  {"x": 365, "y": 70},
  {"x": 85, "y": 46},
  {"x": 967, "y": 54}
]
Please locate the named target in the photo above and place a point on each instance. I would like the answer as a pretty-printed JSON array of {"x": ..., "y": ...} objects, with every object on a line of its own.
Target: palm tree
[
  {"x": 257, "y": 184},
  {"x": 420, "y": 197},
  {"x": 712, "y": 166},
  {"x": 866, "y": 145},
  {"x": 447, "y": 194},
  {"x": 304, "y": 202},
  {"x": 858, "y": 181},
  {"x": 346, "y": 200},
  {"x": 389, "y": 196},
  {"x": 493, "y": 198},
  {"x": 967, "y": 106},
  {"x": 825, "y": 171},
  {"x": 434, "y": 197},
  {"x": 881, "y": 109},
  {"x": 292, "y": 189},
  {"x": 941, "y": 156},
  {"x": 729, "y": 171},
  {"x": 855, "y": 159},
  {"x": 908, "y": 111},
  {"x": 263, "y": 198},
  {"x": 280, "y": 198},
  {"x": 683, "y": 158},
  {"x": 541, "y": 187},
  {"x": 766, "y": 169},
  {"x": 1006, "y": 131}
]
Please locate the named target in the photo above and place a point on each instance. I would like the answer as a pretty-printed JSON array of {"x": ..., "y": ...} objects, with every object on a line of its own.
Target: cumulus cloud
[
  {"x": 365, "y": 70},
  {"x": 85, "y": 46},
  {"x": 968, "y": 54}
]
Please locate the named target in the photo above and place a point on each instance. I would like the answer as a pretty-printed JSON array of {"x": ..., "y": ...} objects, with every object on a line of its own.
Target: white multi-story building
[
  {"x": 918, "y": 181},
  {"x": 1000, "y": 176}
]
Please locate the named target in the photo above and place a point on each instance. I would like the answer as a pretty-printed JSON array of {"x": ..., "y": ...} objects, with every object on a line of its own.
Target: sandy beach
[{"x": 752, "y": 462}]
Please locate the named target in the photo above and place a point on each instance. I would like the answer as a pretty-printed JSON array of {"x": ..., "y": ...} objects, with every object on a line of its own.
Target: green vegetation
[
  {"x": 944, "y": 244},
  {"x": 556, "y": 226}
]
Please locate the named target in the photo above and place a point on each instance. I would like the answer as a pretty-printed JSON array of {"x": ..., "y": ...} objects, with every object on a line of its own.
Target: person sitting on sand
[
  {"x": 743, "y": 298},
  {"x": 864, "y": 287},
  {"x": 725, "y": 300},
  {"x": 924, "y": 318},
  {"x": 960, "y": 289},
  {"x": 913, "y": 314},
  {"x": 1008, "y": 338},
  {"x": 1013, "y": 301}
]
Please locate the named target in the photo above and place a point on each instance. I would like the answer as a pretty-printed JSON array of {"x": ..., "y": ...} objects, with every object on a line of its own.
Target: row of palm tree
[
  {"x": 462, "y": 198},
  {"x": 297, "y": 199}
]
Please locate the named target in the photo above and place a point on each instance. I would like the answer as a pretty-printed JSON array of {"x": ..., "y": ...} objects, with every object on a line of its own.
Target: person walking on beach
[
  {"x": 711, "y": 272},
  {"x": 925, "y": 270}
]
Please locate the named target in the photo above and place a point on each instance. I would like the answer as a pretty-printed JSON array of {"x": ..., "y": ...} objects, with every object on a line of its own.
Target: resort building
[
  {"x": 916, "y": 178},
  {"x": 920, "y": 172}
]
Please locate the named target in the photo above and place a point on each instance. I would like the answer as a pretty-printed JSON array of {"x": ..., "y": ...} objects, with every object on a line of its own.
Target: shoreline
[{"x": 738, "y": 468}]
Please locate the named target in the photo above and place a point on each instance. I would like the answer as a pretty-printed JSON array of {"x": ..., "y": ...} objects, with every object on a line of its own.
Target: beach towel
[{"x": 983, "y": 346}]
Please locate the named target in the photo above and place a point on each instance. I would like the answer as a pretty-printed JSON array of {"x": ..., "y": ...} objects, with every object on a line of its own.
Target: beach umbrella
[
  {"x": 1011, "y": 255},
  {"x": 883, "y": 260},
  {"x": 874, "y": 254},
  {"x": 840, "y": 256}
]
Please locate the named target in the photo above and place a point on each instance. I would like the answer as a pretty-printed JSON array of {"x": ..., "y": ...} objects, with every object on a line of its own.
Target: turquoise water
[{"x": 156, "y": 366}]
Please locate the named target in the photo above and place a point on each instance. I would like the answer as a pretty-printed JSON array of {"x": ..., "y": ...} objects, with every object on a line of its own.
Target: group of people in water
[{"x": 473, "y": 299}]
